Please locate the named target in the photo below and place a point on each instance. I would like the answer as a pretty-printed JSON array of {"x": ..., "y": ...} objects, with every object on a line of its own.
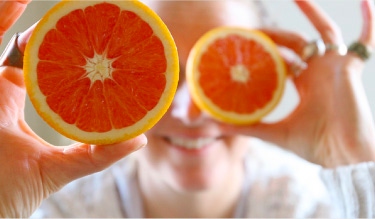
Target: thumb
[
  {"x": 78, "y": 160},
  {"x": 10, "y": 11}
]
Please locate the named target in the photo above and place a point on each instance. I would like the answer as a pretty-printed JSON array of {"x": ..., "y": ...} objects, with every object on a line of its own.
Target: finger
[
  {"x": 329, "y": 31},
  {"x": 14, "y": 75},
  {"x": 291, "y": 46},
  {"x": 289, "y": 39},
  {"x": 12, "y": 98},
  {"x": 367, "y": 34},
  {"x": 293, "y": 63},
  {"x": 79, "y": 160},
  {"x": 24, "y": 38},
  {"x": 12, "y": 11}
]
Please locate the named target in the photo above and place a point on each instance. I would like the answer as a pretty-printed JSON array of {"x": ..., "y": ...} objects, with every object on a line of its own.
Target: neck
[{"x": 162, "y": 201}]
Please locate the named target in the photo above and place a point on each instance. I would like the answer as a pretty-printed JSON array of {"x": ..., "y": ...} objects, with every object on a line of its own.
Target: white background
[{"x": 346, "y": 13}]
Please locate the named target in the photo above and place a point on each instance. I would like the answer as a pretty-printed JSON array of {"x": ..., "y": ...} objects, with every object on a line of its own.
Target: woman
[{"x": 229, "y": 175}]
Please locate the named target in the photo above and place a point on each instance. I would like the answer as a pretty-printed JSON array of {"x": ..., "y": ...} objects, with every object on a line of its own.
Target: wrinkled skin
[{"x": 331, "y": 126}]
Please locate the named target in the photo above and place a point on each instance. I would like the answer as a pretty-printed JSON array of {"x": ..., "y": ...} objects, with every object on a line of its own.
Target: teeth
[{"x": 191, "y": 143}]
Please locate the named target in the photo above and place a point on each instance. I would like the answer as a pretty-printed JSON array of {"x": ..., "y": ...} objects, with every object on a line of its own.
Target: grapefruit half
[
  {"x": 101, "y": 72},
  {"x": 235, "y": 74}
]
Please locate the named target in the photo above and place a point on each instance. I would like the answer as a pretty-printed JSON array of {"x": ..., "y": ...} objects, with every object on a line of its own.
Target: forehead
[
  {"x": 223, "y": 12},
  {"x": 240, "y": 12},
  {"x": 188, "y": 20},
  {"x": 200, "y": 15}
]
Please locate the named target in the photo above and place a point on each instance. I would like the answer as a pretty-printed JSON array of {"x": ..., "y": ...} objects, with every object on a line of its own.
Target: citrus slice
[
  {"x": 101, "y": 72},
  {"x": 236, "y": 75}
]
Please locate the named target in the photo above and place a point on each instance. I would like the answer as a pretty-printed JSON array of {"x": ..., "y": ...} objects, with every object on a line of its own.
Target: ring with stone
[
  {"x": 360, "y": 50},
  {"x": 314, "y": 48}
]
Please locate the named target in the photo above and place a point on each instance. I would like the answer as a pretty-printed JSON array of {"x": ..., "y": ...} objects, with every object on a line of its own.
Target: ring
[
  {"x": 12, "y": 56},
  {"x": 341, "y": 49},
  {"x": 314, "y": 48},
  {"x": 360, "y": 49}
]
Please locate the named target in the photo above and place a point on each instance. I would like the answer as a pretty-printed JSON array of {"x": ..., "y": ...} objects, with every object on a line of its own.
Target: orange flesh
[
  {"x": 136, "y": 69},
  {"x": 217, "y": 84}
]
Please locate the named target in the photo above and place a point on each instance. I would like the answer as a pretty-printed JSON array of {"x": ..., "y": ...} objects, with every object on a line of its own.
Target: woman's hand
[
  {"x": 333, "y": 123},
  {"x": 30, "y": 168}
]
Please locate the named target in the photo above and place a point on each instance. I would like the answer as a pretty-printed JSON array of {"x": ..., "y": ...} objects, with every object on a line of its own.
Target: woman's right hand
[
  {"x": 332, "y": 124},
  {"x": 32, "y": 169}
]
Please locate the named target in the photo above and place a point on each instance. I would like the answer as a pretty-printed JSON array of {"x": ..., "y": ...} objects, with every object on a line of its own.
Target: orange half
[
  {"x": 101, "y": 72},
  {"x": 235, "y": 74}
]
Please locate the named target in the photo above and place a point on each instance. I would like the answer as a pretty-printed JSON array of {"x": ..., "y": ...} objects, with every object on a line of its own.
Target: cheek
[
  {"x": 153, "y": 153},
  {"x": 156, "y": 148},
  {"x": 153, "y": 139},
  {"x": 238, "y": 146}
]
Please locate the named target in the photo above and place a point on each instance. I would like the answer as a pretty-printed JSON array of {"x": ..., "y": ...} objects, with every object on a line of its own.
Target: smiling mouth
[{"x": 189, "y": 143}]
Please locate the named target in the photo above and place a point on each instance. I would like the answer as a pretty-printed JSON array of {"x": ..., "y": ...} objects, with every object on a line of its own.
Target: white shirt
[{"x": 276, "y": 184}]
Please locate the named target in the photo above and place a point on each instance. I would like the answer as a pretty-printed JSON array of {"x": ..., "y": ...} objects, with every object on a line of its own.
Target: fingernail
[{"x": 143, "y": 141}]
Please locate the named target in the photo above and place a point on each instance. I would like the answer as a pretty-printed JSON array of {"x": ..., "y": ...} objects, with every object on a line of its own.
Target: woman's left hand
[{"x": 332, "y": 124}]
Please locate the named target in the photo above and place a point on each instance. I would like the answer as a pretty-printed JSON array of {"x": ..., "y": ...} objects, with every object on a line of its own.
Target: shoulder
[
  {"x": 353, "y": 189},
  {"x": 94, "y": 195},
  {"x": 285, "y": 183}
]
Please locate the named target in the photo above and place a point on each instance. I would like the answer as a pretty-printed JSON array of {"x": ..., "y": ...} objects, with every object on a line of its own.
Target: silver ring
[
  {"x": 360, "y": 50},
  {"x": 12, "y": 56},
  {"x": 341, "y": 49},
  {"x": 314, "y": 48}
]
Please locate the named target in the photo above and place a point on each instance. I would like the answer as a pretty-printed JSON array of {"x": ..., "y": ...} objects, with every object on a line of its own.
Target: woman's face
[{"x": 187, "y": 148}]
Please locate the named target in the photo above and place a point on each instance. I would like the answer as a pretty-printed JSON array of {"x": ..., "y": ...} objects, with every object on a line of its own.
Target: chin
[
  {"x": 196, "y": 180},
  {"x": 193, "y": 164},
  {"x": 191, "y": 185}
]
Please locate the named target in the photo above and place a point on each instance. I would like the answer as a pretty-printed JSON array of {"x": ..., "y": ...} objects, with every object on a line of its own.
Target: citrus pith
[
  {"x": 101, "y": 72},
  {"x": 235, "y": 74}
]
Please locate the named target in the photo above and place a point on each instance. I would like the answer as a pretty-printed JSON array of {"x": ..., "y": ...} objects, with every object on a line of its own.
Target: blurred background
[{"x": 346, "y": 13}]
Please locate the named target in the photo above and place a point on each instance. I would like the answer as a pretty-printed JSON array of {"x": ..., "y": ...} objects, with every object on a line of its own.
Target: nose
[{"x": 184, "y": 108}]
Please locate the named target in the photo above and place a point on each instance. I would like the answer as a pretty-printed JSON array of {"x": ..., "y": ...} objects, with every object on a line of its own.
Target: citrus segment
[
  {"x": 101, "y": 72},
  {"x": 236, "y": 74}
]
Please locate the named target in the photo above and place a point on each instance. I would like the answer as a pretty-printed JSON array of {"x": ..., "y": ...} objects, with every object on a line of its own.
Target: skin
[
  {"x": 331, "y": 126},
  {"x": 34, "y": 169},
  {"x": 194, "y": 177},
  {"x": 325, "y": 125}
]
